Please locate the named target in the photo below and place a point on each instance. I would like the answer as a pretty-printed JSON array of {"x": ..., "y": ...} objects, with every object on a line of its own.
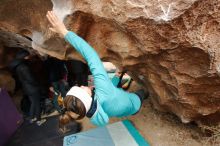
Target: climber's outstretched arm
[{"x": 101, "y": 79}]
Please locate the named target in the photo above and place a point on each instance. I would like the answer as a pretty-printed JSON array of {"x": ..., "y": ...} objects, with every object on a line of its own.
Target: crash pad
[{"x": 122, "y": 133}]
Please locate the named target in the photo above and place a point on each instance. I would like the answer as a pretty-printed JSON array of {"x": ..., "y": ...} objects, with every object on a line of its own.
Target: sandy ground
[{"x": 162, "y": 129}]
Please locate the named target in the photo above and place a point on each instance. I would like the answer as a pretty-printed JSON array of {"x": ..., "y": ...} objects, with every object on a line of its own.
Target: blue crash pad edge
[{"x": 134, "y": 132}]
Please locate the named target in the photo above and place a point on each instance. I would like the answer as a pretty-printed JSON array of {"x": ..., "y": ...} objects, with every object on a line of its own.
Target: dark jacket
[
  {"x": 77, "y": 67},
  {"x": 23, "y": 73},
  {"x": 56, "y": 69}
]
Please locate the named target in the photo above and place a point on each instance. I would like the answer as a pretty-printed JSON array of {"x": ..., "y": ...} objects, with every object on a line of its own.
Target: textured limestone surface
[{"x": 170, "y": 47}]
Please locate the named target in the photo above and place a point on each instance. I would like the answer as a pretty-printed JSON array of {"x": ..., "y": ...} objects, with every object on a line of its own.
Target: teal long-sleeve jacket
[{"x": 111, "y": 101}]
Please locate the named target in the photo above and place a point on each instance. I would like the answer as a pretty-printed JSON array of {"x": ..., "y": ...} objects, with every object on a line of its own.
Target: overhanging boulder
[{"x": 171, "y": 48}]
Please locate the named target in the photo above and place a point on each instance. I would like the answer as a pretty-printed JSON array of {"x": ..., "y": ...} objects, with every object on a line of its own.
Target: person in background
[
  {"x": 57, "y": 74},
  {"x": 30, "y": 86},
  {"x": 39, "y": 71},
  {"x": 77, "y": 73},
  {"x": 107, "y": 100}
]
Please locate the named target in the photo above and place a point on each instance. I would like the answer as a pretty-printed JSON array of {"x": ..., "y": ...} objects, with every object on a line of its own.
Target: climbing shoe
[
  {"x": 40, "y": 122},
  {"x": 142, "y": 94},
  {"x": 32, "y": 120}
]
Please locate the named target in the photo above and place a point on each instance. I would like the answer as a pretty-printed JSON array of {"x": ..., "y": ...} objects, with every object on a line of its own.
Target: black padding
[{"x": 44, "y": 135}]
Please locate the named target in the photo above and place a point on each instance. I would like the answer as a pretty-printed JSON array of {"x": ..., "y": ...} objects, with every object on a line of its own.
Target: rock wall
[
  {"x": 7, "y": 81},
  {"x": 171, "y": 48}
]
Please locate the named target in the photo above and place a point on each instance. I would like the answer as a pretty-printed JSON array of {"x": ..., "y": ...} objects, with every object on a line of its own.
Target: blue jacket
[{"x": 111, "y": 101}]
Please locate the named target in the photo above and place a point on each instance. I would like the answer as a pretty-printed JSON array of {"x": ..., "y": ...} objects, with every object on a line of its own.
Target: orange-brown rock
[
  {"x": 7, "y": 81},
  {"x": 170, "y": 47}
]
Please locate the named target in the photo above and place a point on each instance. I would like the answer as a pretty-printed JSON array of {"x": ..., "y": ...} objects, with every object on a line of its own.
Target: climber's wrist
[{"x": 63, "y": 32}]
